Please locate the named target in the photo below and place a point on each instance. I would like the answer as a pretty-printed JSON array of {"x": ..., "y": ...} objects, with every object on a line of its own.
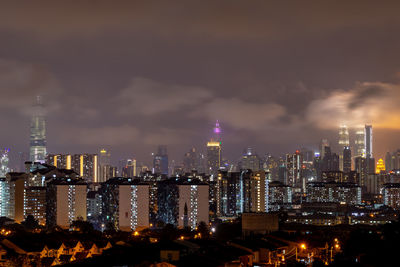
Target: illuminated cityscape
[{"x": 214, "y": 133}]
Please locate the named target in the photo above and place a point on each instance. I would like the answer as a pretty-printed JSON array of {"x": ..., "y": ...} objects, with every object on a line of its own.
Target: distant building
[
  {"x": 86, "y": 165},
  {"x": 279, "y": 195},
  {"x": 347, "y": 193},
  {"x": 380, "y": 166},
  {"x": 213, "y": 157},
  {"x": 344, "y": 141},
  {"x": 125, "y": 203},
  {"x": 364, "y": 167},
  {"x": 359, "y": 143},
  {"x": 106, "y": 171},
  {"x": 391, "y": 195},
  {"x": 129, "y": 170},
  {"x": 368, "y": 141},
  {"x": 190, "y": 160},
  {"x": 250, "y": 161},
  {"x": 346, "y": 159},
  {"x": 160, "y": 161},
  {"x": 293, "y": 169}
]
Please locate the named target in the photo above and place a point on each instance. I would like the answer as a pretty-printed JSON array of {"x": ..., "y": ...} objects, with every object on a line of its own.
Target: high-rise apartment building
[
  {"x": 38, "y": 133},
  {"x": 66, "y": 201},
  {"x": 125, "y": 203},
  {"x": 183, "y": 203}
]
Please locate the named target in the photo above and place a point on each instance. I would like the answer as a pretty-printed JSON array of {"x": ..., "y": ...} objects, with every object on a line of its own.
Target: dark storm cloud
[
  {"x": 134, "y": 74},
  {"x": 363, "y": 94}
]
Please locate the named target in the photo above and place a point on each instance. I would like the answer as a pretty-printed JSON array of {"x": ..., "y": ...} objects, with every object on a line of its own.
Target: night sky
[{"x": 130, "y": 76}]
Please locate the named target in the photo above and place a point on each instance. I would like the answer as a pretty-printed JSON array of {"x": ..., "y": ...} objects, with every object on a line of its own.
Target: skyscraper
[
  {"x": 344, "y": 141},
  {"x": 38, "y": 133},
  {"x": 293, "y": 169},
  {"x": 324, "y": 143},
  {"x": 359, "y": 143},
  {"x": 368, "y": 141},
  {"x": 346, "y": 159},
  {"x": 213, "y": 157}
]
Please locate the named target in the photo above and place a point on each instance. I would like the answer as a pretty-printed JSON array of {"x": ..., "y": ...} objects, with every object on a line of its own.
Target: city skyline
[{"x": 118, "y": 80}]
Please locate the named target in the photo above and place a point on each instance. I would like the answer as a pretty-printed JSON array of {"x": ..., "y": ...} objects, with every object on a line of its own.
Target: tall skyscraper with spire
[
  {"x": 214, "y": 151},
  {"x": 37, "y": 150}
]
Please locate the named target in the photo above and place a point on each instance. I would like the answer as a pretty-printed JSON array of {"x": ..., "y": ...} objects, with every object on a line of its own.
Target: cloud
[
  {"x": 149, "y": 97},
  {"x": 221, "y": 19},
  {"x": 21, "y": 82},
  {"x": 107, "y": 135},
  {"x": 367, "y": 102},
  {"x": 242, "y": 114}
]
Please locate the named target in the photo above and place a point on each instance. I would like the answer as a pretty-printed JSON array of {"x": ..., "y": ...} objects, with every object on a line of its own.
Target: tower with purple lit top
[{"x": 214, "y": 151}]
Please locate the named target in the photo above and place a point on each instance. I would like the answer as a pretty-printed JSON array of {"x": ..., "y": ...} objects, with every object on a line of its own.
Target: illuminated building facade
[
  {"x": 86, "y": 165},
  {"x": 214, "y": 151},
  {"x": 38, "y": 133},
  {"x": 4, "y": 163},
  {"x": 4, "y": 197},
  {"x": 125, "y": 203},
  {"x": 35, "y": 203},
  {"x": 391, "y": 195},
  {"x": 380, "y": 166},
  {"x": 129, "y": 170},
  {"x": 66, "y": 201},
  {"x": 279, "y": 196},
  {"x": 347, "y": 193},
  {"x": 293, "y": 169},
  {"x": 359, "y": 143},
  {"x": 368, "y": 141},
  {"x": 106, "y": 171},
  {"x": 213, "y": 157}
]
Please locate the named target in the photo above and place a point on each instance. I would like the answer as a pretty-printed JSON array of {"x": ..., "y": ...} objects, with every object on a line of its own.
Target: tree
[
  {"x": 203, "y": 230},
  {"x": 30, "y": 223},
  {"x": 82, "y": 226}
]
